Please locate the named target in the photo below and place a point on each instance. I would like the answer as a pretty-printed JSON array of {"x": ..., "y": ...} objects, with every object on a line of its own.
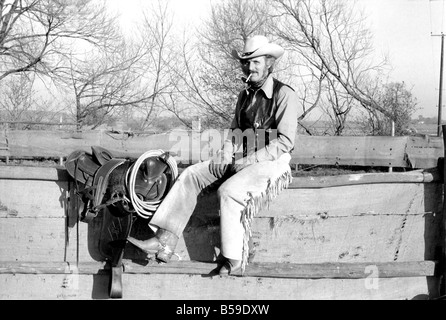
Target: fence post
[
  {"x": 443, "y": 258},
  {"x": 392, "y": 134},
  {"x": 7, "y": 141}
]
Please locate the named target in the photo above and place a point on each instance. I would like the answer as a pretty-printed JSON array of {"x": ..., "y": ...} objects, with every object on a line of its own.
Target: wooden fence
[
  {"x": 322, "y": 239},
  {"x": 190, "y": 147}
]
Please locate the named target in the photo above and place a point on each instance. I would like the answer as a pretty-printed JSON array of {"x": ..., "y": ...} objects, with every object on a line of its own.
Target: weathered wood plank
[
  {"x": 366, "y": 238},
  {"x": 374, "y": 151},
  {"x": 57, "y": 174},
  {"x": 264, "y": 270},
  {"x": 431, "y": 175},
  {"x": 61, "y": 143},
  {"x": 286, "y": 239},
  {"x": 366, "y": 178},
  {"x": 385, "y": 210},
  {"x": 291, "y": 239},
  {"x": 197, "y": 287},
  {"x": 382, "y": 199},
  {"x": 317, "y": 230},
  {"x": 349, "y": 200},
  {"x": 38, "y": 267},
  {"x": 399, "y": 193},
  {"x": 410, "y": 152},
  {"x": 412, "y": 231},
  {"x": 29, "y": 239},
  {"x": 424, "y": 152},
  {"x": 33, "y": 198}
]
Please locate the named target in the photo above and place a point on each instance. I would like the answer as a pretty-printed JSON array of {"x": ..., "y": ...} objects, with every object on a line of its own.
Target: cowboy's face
[{"x": 256, "y": 67}]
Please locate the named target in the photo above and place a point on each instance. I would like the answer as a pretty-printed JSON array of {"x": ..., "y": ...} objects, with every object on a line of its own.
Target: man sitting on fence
[{"x": 266, "y": 106}]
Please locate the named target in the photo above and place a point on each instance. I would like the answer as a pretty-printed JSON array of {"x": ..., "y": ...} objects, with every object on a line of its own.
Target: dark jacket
[{"x": 270, "y": 114}]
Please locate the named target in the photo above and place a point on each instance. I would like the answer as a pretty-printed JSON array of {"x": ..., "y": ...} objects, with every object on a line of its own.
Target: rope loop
[{"x": 146, "y": 209}]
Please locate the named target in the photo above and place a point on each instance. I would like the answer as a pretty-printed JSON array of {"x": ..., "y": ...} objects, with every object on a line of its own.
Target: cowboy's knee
[
  {"x": 188, "y": 172},
  {"x": 225, "y": 191},
  {"x": 193, "y": 174}
]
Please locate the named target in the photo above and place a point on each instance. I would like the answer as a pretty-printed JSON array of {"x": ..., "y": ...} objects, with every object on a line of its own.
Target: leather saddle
[{"x": 101, "y": 180}]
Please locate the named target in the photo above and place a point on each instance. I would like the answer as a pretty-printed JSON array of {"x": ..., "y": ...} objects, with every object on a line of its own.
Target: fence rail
[
  {"x": 41, "y": 123},
  {"x": 190, "y": 147}
]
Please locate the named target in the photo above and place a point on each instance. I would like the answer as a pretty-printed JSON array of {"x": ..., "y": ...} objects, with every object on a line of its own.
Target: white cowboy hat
[{"x": 257, "y": 46}]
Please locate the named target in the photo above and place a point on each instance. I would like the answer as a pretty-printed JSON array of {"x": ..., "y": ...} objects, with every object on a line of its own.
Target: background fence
[{"x": 188, "y": 147}]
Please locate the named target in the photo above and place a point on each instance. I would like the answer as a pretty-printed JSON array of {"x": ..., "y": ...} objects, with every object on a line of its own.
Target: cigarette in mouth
[{"x": 249, "y": 77}]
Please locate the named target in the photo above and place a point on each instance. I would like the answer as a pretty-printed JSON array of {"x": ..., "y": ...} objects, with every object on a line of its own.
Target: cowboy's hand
[
  {"x": 219, "y": 164},
  {"x": 217, "y": 170}
]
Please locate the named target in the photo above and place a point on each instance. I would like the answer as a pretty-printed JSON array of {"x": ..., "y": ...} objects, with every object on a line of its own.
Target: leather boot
[
  {"x": 149, "y": 246},
  {"x": 162, "y": 245},
  {"x": 230, "y": 267},
  {"x": 168, "y": 242}
]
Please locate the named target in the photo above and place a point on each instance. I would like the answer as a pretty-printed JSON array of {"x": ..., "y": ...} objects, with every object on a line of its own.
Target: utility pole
[{"x": 440, "y": 95}]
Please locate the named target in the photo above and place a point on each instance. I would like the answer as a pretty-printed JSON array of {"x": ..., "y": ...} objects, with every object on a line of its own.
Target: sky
[{"x": 406, "y": 31}]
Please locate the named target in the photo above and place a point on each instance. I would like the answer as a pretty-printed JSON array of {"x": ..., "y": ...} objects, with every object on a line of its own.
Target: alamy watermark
[
  {"x": 371, "y": 282},
  {"x": 198, "y": 146}
]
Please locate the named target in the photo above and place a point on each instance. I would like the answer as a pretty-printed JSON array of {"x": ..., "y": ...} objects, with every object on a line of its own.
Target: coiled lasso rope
[{"x": 146, "y": 209}]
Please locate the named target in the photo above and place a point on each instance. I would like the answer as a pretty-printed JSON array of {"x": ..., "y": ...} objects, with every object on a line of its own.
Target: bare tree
[
  {"x": 124, "y": 79},
  {"x": 338, "y": 106},
  {"x": 16, "y": 98},
  {"x": 398, "y": 101},
  {"x": 107, "y": 83},
  {"x": 19, "y": 103},
  {"x": 34, "y": 34},
  {"x": 208, "y": 77},
  {"x": 333, "y": 40},
  {"x": 42, "y": 37},
  {"x": 233, "y": 21},
  {"x": 196, "y": 84},
  {"x": 157, "y": 36}
]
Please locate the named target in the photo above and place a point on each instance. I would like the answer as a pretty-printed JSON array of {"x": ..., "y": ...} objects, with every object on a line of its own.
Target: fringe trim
[{"x": 258, "y": 203}]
